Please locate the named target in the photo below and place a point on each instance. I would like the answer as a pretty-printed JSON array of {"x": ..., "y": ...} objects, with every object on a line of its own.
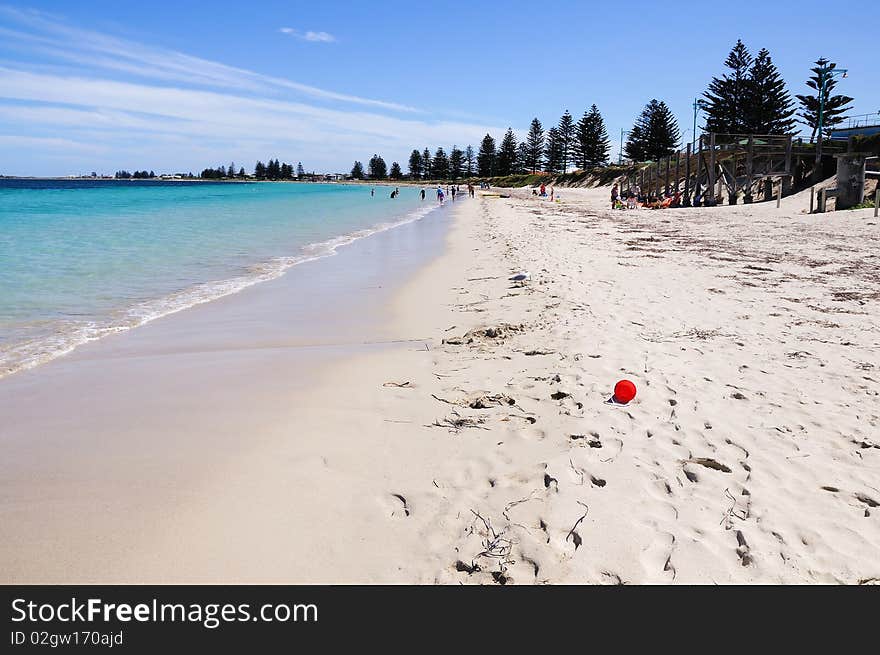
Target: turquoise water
[{"x": 81, "y": 259}]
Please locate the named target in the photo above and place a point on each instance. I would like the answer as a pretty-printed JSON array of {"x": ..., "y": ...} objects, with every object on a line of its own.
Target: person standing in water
[
  {"x": 372, "y": 192},
  {"x": 423, "y": 194},
  {"x": 453, "y": 194}
]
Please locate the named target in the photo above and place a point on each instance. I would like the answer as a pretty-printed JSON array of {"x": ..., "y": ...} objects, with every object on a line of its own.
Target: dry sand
[{"x": 486, "y": 453}]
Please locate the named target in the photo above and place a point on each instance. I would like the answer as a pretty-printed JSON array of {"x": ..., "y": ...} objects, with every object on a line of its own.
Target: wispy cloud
[
  {"x": 54, "y": 38},
  {"x": 314, "y": 37},
  {"x": 105, "y": 100}
]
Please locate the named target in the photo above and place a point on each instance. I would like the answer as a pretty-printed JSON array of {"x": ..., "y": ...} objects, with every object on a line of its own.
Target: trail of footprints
[{"x": 504, "y": 539}]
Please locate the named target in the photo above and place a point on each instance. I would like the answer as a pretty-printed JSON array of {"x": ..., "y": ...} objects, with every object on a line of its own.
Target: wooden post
[
  {"x": 687, "y": 178},
  {"x": 710, "y": 188},
  {"x": 788, "y": 181},
  {"x": 750, "y": 169},
  {"x": 812, "y": 193},
  {"x": 876, "y": 200},
  {"x": 677, "y": 168},
  {"x": 655, "y": 187},
  {"x": 667, "y": 175},
  {"x": 697, "y": 175},
  {"x": 779, "y": 194}
]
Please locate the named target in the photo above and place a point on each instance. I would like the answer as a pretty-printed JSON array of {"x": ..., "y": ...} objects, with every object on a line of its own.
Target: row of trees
[
  {"x": 273, "y": 170},
  {"x": 422, "y": 165},
  {"x": 583, "y": 144},
  {"x": 137, "y": 175},
  {"x": 752, "y": 98},
  {"x": 276, "y": 170}
]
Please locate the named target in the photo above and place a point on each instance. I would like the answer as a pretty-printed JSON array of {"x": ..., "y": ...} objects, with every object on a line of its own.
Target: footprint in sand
[{"x": 398, "y": 505}]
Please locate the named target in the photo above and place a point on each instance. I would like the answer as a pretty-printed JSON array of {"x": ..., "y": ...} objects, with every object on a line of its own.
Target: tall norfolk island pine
[
  {"x": 751, "y": 98},
  {"x": 486, "y": 157},
  {"x": 415, "y": 164},
  {"x": 728, "y": 96},
  {"x": 835, "y": 105},
  {"x": 769, "y": 107},
  {"x": 566, "y": 130},
  {"x": 553, "y": 151},
  {"x": 654, "y": 135},
  {"x": 591, "y": 144},
  {"x": 506, "y": 157},
  {"x": 535, "y": 146}
]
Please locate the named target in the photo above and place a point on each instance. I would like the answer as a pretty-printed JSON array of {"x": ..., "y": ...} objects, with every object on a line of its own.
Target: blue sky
[{"x": 183, "y": 85}]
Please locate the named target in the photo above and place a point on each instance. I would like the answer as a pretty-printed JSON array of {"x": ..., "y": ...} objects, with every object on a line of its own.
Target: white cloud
[
  {"x": 96, "y": 50},
  {"x": 314, "y": 37},
  {"x": 175, "y": 111}
]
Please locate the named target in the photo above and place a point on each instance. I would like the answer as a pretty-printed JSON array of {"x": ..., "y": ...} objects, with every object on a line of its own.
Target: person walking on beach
[
  {"x": 614, "y": 195},
  {"x": 454, "y": 191},
  {"x": 439, "y": 194},
  {"x": 552, "y": 191}
]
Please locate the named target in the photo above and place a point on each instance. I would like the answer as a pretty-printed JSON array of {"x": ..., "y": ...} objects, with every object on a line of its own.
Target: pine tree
[
  {"x": 583, "y": 141},
  {"x": 553, "y": 151},
  {"x": 440, "y": 165},
  {"x": 654, "y": 135},
  {"x": 601, "y": 145},
  {"x": 415, "y": 164},
  {"x": 357, "y": 171},
  {"x": 591, "y": 140},
  {"x": 486, "y": 157},
  {"x": 566, "y": 131},
  {"x": 506, "y": 157},
  {"x": 426, "y": 163},
  {"x": 635, "y": 142},
  {"x": 395, "y": 173},
  {"x": 456, "y": 163},
  {"x": 377, "y": 168},
  {"x": 300, "y": 171},
  {"x": 835, "y": 105},
  {"x": 241, "y": 172},
  {"x": 470, "y": 162},
  {"x": 260, "y": 170},
  {"x": 727, "y": 99},
  {"x": 769, "y": 108},
  {"x": 230, "y": 171},
  {"x": 535, "y": 145},
  {"x": 522, "y": 158}
]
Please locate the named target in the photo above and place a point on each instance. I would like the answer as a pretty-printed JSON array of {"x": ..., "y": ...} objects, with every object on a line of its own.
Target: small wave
[{"x": 67, "y": 337}]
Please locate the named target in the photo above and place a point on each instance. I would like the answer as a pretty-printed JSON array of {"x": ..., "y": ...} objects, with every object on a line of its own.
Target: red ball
[{"x": 624, "y": 391}]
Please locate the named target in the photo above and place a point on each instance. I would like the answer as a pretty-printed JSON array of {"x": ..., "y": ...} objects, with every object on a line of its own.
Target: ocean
[{"x": 80, "y": 259}]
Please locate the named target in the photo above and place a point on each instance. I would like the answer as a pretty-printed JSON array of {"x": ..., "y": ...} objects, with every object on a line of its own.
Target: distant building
[{"x": 844, "y": 133}]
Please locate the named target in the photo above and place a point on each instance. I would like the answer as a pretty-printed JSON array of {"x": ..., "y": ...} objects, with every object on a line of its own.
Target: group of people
[
  {"x": 633, "y": 199},
  {"x": 451, "y": 191}
]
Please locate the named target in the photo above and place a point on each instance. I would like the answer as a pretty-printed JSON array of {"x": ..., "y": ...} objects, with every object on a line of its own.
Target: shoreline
[
  {"x": 117, "y": 440},
  {"x": 41, "y": 350}
]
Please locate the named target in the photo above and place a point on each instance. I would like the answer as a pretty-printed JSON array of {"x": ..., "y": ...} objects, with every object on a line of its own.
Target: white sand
[{"x": 751, "y": 453}]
